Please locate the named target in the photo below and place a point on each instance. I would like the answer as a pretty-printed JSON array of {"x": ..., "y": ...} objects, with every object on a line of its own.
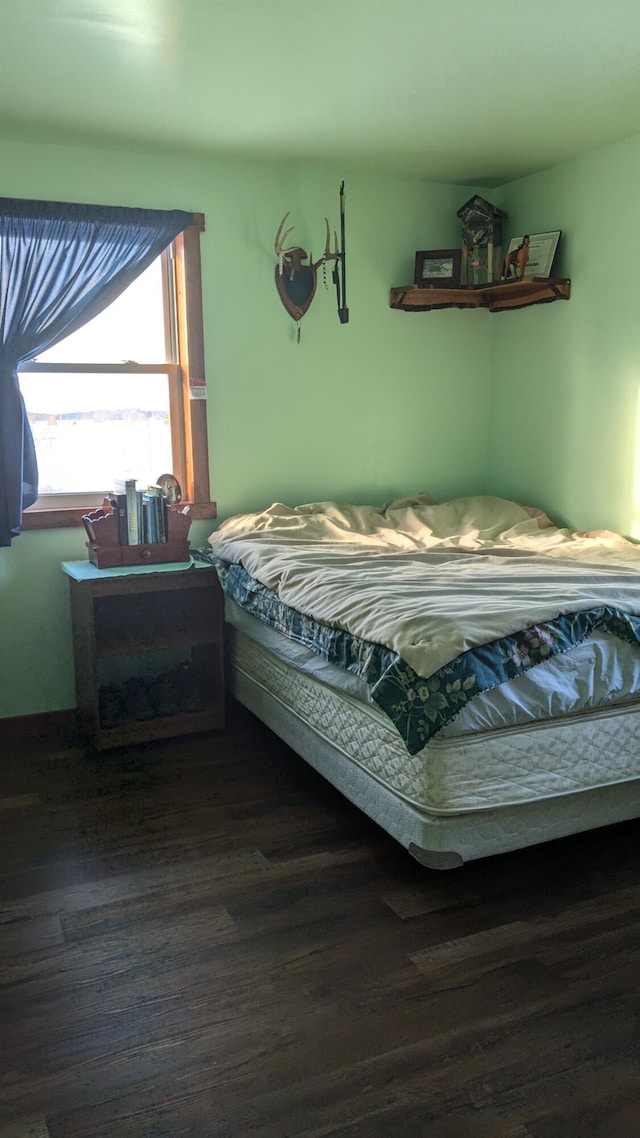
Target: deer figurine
[{"x": 515, "y": 262}]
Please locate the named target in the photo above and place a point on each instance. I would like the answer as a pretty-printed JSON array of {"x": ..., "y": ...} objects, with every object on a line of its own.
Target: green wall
[
  {"x": 566, "y": 376},
  {"x": 391, "y": 403}
]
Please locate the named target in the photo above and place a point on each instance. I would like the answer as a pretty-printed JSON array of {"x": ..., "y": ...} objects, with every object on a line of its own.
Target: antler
[
  {"x": 282, "y": 237},
  {"x": 280, "y": 246},
  {"x": 328, "y": 255}
]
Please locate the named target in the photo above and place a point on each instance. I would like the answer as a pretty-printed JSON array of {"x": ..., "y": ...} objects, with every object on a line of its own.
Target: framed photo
[
  {"x": 541, "y": 248},
  {"x": 437, "y": 268},
  {"x": 170, "y": 487}
]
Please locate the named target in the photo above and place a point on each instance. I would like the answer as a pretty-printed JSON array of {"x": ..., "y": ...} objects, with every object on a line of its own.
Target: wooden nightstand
[{"x": 162, "y": 626}]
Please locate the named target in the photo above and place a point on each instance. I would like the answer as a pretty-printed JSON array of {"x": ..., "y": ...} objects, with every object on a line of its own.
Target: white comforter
[{"x": 430, "y": 581}]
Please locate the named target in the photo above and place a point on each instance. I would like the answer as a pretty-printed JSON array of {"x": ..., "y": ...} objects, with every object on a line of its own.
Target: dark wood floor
[{"x": 203, "y": 938}]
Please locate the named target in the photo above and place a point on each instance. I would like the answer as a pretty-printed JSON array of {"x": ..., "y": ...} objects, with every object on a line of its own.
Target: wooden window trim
[{"x": 188, "y": 415}]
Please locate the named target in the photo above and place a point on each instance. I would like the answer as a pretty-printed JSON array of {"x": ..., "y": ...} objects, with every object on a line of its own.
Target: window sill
[{"x": 63, "y": 518}]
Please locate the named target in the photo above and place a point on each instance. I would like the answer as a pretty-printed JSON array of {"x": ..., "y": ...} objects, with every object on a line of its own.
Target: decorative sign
[{"x": 197, "y": 388}]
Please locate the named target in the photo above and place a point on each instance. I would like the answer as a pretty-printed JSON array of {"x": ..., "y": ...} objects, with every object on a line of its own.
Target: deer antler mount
[{"x": 296, "y": 281}]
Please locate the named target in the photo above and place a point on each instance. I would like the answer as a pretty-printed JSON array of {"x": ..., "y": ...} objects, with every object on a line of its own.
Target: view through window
[{"x": 99, "y": 402}]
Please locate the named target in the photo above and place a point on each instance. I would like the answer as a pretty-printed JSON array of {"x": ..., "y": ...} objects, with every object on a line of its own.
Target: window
[{"x": 117, "y": 398}]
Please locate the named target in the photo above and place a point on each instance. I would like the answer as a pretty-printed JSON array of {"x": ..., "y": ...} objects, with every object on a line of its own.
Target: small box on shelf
[{"x": 105, "y": 550}]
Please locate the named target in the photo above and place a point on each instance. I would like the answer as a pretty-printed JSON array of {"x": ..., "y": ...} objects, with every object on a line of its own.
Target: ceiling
[{"x": 444, "y": 90}]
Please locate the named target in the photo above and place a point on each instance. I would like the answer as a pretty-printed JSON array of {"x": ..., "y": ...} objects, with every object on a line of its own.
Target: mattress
[
  {"x": 421, "y": 705},
  {"x": 460, "y": 798},
  {"x": 601, "y": 671},
  {"x": 474, "y": 771}
]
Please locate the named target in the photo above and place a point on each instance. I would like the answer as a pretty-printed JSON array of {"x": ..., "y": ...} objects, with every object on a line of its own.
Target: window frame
[{"x": 189, "y": 435}]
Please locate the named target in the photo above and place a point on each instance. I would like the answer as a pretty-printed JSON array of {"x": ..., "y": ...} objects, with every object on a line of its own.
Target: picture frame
[
  {"x": 170, "y": 487},
  {"x": 437, "y": 268},
  {"x": 542, "y": 250}
]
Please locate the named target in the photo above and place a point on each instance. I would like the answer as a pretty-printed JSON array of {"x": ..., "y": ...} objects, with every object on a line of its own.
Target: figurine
[{"x": 515, "y": 262}]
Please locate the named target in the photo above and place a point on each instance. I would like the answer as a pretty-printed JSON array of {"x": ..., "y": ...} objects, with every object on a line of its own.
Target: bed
[{"x": 466, "y": 673}]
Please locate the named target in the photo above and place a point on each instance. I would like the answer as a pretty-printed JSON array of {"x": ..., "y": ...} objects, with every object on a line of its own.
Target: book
[
  {"x": 159, "y": 501},
  {"x": 133, "y": 499},
  {"x": 149, "y": 518},
  {"x": 119, "y": 507}
]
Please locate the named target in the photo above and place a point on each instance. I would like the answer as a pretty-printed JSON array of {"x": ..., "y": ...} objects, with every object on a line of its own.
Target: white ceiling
[{"x": 445, "y": 90}]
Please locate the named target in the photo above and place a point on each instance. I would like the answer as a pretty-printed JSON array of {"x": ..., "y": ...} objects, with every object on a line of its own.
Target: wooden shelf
[{"x": 497, "y": 297}]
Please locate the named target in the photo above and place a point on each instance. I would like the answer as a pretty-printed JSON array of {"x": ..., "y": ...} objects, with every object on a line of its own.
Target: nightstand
[{"x": 148, "y": 651}]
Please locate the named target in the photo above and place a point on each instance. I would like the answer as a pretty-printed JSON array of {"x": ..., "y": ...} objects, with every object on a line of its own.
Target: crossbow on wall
[{"x": 296, "y": 282}]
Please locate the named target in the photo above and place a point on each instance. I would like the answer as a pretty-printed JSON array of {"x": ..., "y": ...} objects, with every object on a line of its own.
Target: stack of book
[
  {"x": 142, "y": 514},
  {"x": 134, "y": 527}
]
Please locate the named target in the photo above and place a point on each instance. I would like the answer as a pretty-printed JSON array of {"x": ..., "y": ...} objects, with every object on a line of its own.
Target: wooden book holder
[{"x": 105, "y": 551}]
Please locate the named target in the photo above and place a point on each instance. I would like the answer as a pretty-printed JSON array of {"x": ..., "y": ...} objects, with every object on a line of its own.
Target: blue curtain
[{"x": 60, "y": 265}]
